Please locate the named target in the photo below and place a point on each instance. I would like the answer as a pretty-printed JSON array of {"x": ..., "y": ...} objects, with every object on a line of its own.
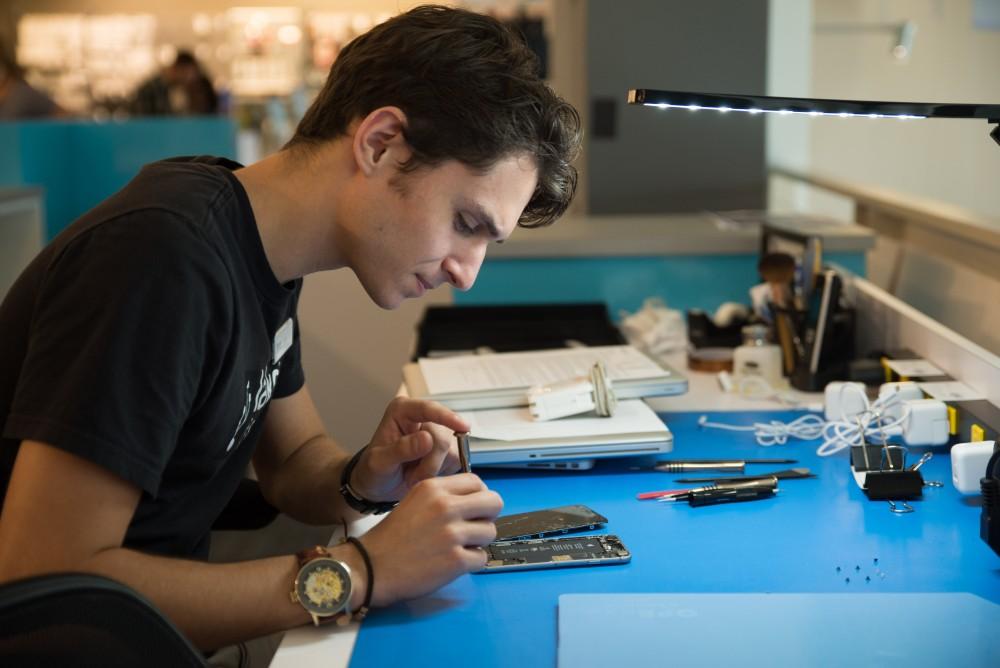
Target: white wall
[
  {"x": 952, "y": 61},
  {"x": 353, "y": 351},
  {"x": 951, "y": 161},
  {"x": 789, "y": 74}
]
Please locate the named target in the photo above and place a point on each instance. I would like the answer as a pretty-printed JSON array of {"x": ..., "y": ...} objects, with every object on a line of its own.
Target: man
[
  {"x": 151, "y": 351},
  {"x": 182, "y": 88},
  {"x": 18, "y": 99}
]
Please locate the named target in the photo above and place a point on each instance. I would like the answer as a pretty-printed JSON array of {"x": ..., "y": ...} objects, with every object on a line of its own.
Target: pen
[
  {"x": 769, "y": 483},
  {"x": 712, "y": 494},
  {"x": 727, "y": 496},
  {"x": 464, "y": 460}
]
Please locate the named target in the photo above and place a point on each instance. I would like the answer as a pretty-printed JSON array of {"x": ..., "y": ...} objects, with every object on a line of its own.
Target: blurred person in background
[
  {"x": 18, "y": 99},
  {"x": 182, "y": 88}
]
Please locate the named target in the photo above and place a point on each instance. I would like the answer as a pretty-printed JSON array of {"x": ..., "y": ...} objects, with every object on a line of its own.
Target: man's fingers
[
  {"x": 459, "y": 484},
  {"x": 419, "y": 411},
  {"x": 428, "y": 467},
  {"x": 407, "y": 449},
  {"x": 479, "y": 533},
  {"x": 481, "y": 505},
  {"x": 475, "y": 559}
]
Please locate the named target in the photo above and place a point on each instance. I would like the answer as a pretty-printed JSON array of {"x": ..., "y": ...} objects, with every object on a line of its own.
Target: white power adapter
[
  {"x": 968, "y": 464},
  {"x": 925, "y": 424},
  {"x": 900, "y": 410},
  {"x": 843, "y": 400},
  {"x": 894, "y": 394}
]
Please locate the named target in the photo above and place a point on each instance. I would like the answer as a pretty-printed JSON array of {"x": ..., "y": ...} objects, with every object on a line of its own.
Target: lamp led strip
[{"x": 803, "y": 106}]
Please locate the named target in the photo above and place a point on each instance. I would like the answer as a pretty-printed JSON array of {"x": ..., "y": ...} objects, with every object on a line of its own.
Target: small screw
[
  {"x": 847, "y": 580},
  {"x": 857, "y": 569},
  {"x": 868, "y": 578},
  {"x": 838, "y": 569},
  {"x": 875, "y": 561}
]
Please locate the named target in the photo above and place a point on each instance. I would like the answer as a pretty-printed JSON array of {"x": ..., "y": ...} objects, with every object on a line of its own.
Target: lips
[{"x": 424, "y": 285}]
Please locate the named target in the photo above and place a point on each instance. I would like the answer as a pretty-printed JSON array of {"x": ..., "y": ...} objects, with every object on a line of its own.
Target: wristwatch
[
  {"x": 322, "y": 586},
  {"x": 355, "y": 500}
]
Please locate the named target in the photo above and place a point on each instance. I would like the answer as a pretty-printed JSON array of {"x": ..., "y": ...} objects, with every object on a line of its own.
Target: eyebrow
[{"x": 483, "y": 218}]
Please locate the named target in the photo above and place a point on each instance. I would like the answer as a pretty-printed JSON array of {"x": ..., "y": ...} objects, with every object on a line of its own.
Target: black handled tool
[{"x": 787, "y": 474}]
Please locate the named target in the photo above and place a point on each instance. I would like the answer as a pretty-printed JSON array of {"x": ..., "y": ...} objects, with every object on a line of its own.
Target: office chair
[{"x": 76, "y": 619}]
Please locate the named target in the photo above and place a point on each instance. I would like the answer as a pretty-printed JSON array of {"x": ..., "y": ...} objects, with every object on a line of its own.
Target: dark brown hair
[{"x": 471, "y": 92}]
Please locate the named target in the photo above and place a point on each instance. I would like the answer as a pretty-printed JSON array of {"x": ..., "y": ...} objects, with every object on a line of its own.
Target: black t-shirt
[{"x": 149, "y": 338}]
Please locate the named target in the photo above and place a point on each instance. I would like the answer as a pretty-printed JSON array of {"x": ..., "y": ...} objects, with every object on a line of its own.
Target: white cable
[
  {"x": 871, "y": 421},
  {"x": 775, "y": 432}
]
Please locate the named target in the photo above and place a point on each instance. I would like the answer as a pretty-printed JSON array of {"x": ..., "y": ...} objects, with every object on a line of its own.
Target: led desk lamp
[{"x": 761, "y": 104}]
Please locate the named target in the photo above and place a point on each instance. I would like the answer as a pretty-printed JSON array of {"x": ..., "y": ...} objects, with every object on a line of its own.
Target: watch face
[{"x": 323, "y": 586}]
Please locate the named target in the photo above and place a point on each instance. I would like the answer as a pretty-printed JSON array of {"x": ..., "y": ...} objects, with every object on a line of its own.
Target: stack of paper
[{"x": 501, "y": 380}]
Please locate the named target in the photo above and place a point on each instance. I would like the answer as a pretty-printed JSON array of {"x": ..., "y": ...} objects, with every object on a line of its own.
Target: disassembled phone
[
  {"x": 555, "y": 553},
  {"x": 548, "y": 522}
]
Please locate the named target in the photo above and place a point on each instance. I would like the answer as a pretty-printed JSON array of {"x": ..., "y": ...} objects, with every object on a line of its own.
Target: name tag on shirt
[{"x": 283, "y": 339}]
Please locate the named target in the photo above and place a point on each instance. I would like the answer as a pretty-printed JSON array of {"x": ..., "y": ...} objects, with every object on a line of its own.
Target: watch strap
[
  {"x": 355, "y": 500},
  {"x": 318, "y": 552}
]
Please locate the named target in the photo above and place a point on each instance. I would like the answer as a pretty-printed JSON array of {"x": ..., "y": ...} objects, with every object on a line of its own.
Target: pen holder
[
  {"x": 814, "y": 356},
  {"x": 881, "y": 473}
]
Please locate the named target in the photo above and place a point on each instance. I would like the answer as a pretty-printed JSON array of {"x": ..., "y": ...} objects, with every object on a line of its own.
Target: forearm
[
  {"x": 220, "y": 604},
  {"x": 307, "y": 485}
]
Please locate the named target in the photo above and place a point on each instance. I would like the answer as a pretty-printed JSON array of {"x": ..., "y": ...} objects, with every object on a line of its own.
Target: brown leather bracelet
[{"x": 362, "y": 612}]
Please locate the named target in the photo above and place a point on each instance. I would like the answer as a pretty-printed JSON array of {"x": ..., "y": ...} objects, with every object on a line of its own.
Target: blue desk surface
[{"x": 793, "y": 543}]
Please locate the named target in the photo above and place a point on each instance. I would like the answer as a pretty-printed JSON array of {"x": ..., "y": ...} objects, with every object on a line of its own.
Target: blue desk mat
[
  {"x": 768, "y": 630},
  {"x": 816, "y": 536}
]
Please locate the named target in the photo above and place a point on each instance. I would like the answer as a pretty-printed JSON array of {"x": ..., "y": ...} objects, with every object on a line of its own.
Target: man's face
[{"x": 432, "y": 226}]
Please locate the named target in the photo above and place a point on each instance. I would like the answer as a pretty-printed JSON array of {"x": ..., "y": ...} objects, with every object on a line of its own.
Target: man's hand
[
  {"x": 414, "y": 441},
  {"x": 433, "y": 536}
]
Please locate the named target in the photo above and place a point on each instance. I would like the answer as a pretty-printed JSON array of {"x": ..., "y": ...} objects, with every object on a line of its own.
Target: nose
[{"x": 463, "y": 268}]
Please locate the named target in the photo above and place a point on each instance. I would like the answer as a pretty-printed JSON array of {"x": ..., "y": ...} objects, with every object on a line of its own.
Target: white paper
[
  {"x": 476, "y": 373},
  {"x": 950, "y": 390},
  {"x": 915, "y": 368},
  {"x": 515, "y": 424}
]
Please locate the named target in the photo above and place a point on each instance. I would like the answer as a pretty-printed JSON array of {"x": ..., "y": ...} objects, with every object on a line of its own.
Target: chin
[
  {"x": 388, "y": 301},
  {"x": 382, "y": 296}
]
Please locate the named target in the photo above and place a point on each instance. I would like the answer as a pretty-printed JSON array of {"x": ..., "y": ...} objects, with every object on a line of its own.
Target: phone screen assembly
[
  {"x": 541, "y": 523},
  {"x": 554, "y": 553}
]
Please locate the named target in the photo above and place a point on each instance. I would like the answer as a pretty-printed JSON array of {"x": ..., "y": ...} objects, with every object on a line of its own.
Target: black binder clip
[{"x": 881, "y": 472}]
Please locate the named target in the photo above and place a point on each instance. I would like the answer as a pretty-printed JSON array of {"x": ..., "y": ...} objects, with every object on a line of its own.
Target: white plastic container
[{"x": 758, "y": 357}]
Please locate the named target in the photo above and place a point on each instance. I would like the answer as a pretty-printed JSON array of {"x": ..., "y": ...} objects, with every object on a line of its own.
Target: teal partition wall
[
  {"x": 682, "y": 281},
  {"x": 78, "y": 163}
]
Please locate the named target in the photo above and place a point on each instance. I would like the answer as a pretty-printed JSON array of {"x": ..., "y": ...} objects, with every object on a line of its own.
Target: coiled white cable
[
  {"x": 873, "y": 420},
  {"x": 837, "y": 434},
  {"x": 775, "y": 432}
]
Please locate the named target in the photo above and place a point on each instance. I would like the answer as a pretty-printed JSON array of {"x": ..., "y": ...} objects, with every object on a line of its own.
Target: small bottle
[{"x": 758, "y": 357}]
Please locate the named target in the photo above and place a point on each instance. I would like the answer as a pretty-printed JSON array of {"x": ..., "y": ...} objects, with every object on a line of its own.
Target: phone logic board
[{"x": 555, "y": 553}]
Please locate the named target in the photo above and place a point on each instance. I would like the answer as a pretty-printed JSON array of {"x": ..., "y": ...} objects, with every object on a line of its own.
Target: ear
[{"x": 378, "y": 141}]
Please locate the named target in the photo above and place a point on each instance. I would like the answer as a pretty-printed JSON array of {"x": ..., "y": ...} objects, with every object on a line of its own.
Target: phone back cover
[{"x": 768, "y": 630}]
